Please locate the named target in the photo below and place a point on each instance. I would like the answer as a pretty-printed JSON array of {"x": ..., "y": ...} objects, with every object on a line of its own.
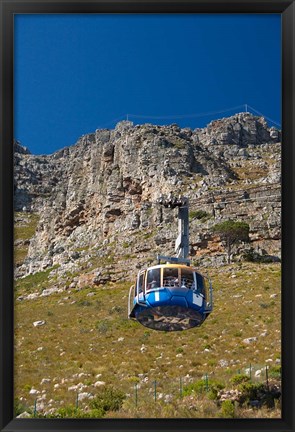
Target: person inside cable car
[
  {"x": 187, "y": 279},
  {"x": 170, "y": 277},
  {"x": 153, "y": 284},
  {"x": 200, "y": 283},
  {"x": 183, "y": 283},
  {"x": 153, "y": 279}
]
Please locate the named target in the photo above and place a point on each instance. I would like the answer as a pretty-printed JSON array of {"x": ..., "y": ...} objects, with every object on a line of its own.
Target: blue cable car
[{"x": 172, "y": 296}]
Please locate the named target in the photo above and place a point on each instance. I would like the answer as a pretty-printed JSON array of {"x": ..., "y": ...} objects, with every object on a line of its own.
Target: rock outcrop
[{"x": 97, "y": 199}]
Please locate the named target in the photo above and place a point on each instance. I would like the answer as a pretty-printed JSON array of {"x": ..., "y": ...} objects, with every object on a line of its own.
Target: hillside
[{"x": 87, "y": 219}]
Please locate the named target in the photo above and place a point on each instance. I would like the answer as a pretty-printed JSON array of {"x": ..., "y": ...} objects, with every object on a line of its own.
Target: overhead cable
[
  {"x": 184, "y": 116},
  {"x": 263, "y": 115}
]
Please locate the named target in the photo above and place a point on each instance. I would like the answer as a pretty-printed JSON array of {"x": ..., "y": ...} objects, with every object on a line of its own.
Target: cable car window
[
  {"x": 200, "y": 283},
  {"x": 140, "y": 283},
  {"x": 187, "y": 279},
  {"x": 153, "y": 278},
  {"x": 170, "y": 277}
]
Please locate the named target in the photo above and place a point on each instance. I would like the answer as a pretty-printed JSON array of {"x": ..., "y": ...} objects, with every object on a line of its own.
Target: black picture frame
[{"x": 8, "y": 8}]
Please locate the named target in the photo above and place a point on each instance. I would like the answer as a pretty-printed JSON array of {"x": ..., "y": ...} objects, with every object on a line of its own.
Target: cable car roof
[{"x": 172, "y": 265}]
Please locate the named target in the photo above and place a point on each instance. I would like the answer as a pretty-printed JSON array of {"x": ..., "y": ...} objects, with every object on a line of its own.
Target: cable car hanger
[{"x": 173, "y": 296}]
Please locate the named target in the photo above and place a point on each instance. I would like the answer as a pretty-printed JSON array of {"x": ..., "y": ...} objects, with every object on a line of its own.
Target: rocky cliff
[{"x": 96, "y": 201}]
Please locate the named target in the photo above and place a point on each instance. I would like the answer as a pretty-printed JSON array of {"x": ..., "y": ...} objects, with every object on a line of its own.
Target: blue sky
[{"x": 78, "y": 73}]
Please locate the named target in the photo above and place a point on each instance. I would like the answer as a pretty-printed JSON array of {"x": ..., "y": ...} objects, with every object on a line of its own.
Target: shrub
[
  {"x": 197, "y": 387},
  {"x": 239, "y": 379},
  {"x": 27, "y": 387},
  {"x": 227, "y": 409},
  {"x": 103, "y": 326},
  {"x": 199, "y": 214},
  {"x": 108, "y": 399},
  {"x": 238, "y": 333},
  {"x": 116, "y": 310},
  {"x": 251, "y": 256},
  {"x": 19, "y": 407},
  {"x": 144, "y": 337},
  {"x": 214, "y": 387},
  {"x": 275, "y": 372},
  {"x": 178, "y": 143},
  {"x": 230, "y": 233},
  {"x": 96, "y": 413},
  {"x": 250, "y": 391},
  {"x": 201, "y": 386}
]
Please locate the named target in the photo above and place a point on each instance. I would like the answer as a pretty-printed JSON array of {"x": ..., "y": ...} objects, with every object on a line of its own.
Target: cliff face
[{"x": 96, "y": 200}]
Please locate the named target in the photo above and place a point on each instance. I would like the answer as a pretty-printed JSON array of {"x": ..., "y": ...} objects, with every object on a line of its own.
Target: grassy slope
[
  {"x": 24, "y": 230},
  {"x": 82, "y": 335}
]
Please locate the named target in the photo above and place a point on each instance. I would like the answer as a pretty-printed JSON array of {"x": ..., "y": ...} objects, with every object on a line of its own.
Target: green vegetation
[
  {"x": 275, "y": 372},
  {"x": 227, "y": 409},
  {"x": 203, "y": 385},
  {"x": 92, "y": 335},
  {"x": 252, "y": 171},
  {"x": 148, "y": 236},
  {"x": 38, "y": 281},
  {"x": 239, "y": 379},
  {"x": 201, "y": 215},
  {"x": 24, "y": 229},
  {"x": 20, "y": 407},
  {"x": 250, "y": 391},
  {"x": 178, "y": 143},
  {"x": 230, "y": 233},
  {"x": 108, "y": 399}
]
